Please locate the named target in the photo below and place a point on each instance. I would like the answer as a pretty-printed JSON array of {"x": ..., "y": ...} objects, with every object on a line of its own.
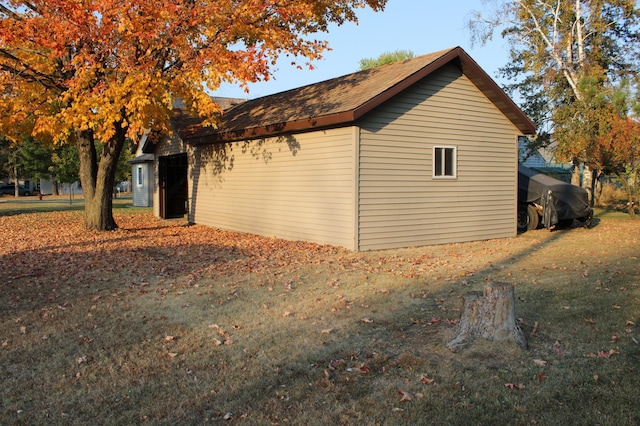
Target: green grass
[
  {"x": 10, "y": 206},
  {"x": 163, "y": 323}
]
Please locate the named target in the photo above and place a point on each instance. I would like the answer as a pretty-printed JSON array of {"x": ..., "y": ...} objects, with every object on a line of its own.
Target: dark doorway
[{"x": 173, "y": 186}]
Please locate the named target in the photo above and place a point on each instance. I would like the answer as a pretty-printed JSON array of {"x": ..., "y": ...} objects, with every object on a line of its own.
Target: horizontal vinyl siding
[
  {"x": 400, "y": 203},
  {"x": 301, "y": 188}
]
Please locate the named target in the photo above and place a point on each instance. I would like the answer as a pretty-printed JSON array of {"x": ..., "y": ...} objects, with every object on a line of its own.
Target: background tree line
[{"x": 34, "y": 160}]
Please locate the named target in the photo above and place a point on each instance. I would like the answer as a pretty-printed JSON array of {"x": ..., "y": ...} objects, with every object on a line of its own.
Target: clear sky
[{"x": 422, "y": 26}]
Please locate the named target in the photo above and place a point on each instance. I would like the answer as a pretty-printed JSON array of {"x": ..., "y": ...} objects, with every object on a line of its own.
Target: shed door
[{"x": 173, "y": 186}]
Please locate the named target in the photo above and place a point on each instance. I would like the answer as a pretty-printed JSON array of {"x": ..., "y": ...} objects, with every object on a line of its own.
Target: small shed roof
[
  {"x": 144, "y": 158},
  {"x": 341, "y": 100}
]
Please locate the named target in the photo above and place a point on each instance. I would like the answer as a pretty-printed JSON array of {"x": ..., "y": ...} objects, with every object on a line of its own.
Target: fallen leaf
[
  {"x": 366, "y": 320},
  {"x": 514, "y": 386},
  {"x": 227, "y": 416},
  {"x": 364, "y": 369},
  {"x": 169, "y": 338},
  {"x": 596, "y": 378},
  {"x": 426, "y": 380},
  {"x": 541, "y": 377},
  {"x": 326, "y": 331},
  {"x": 406, "y": 396},
  {"x": 540, "y": 362},
  {"x": 335, "y": 363},
  {"x": 534, "y": 332},
  {"x": 172, "y": 354},
  {"x": 590, "y": 321},
  {"x": 630, "y": 323},
  {"x": 217, "y": 342}
]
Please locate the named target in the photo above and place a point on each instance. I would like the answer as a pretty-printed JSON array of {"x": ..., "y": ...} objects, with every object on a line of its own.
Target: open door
[{"x": 173, "y": 189}]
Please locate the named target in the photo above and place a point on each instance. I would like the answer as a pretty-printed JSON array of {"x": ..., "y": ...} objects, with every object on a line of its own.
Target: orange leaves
[{"x": 91, "y": 64}]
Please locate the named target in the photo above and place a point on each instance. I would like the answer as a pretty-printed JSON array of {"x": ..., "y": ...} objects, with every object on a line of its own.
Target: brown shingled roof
[{"x": 342, "y": 100}]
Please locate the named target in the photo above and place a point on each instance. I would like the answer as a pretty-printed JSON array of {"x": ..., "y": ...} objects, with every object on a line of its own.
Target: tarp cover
[{"x": 559, "y": 200}]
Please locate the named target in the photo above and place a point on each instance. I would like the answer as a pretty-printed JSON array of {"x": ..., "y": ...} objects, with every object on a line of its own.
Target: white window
[
  {"x": 140, "y": 176},
  {"x": 444, "y": 162}
]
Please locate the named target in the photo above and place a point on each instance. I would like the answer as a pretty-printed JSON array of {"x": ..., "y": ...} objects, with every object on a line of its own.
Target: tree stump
[{"x": 491, "y": 315}]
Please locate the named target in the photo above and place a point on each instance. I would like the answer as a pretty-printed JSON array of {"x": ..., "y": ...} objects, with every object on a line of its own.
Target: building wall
[
  {"x": 142, "y": 189},
  {"x": 401, "y": 204},
  {"x": 299, "y": 187}
]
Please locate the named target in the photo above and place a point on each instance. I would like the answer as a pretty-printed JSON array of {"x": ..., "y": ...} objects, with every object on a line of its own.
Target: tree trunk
[
  {"x": 491, "y": 316},
  {"x": 576, "y": 174},
  {"x": 588, "y": 182},
  {"x": 631, "y": 208},
  {"x": 97, "y": 175}
]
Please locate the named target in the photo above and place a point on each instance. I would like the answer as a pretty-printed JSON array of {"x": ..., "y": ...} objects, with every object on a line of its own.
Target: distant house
[
  {"x": 413, "y": 153},
  {"x": 543, "y": 160},
  {"x": 528, "y": 157}
]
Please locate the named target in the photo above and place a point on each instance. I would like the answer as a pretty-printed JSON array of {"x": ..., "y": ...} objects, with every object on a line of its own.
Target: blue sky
[{"x": 422, "y": 26}]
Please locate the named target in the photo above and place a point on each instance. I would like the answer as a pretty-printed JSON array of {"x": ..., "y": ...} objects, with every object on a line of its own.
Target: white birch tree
[{"x": 567, "y": 57}]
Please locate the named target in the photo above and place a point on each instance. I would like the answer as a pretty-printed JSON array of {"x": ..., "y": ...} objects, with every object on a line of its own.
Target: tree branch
[{"x": 27, "y": 73}]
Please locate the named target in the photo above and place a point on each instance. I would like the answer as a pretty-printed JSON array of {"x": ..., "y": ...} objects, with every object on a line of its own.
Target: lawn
[{"x": 159, "y": 322}]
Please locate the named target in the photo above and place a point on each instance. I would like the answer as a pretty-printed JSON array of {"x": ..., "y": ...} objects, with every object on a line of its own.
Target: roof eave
[{"x": 307, "y": 124}]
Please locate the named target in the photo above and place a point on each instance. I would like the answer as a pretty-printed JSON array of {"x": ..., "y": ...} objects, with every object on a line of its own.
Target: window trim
[
  {"x": 140, "y": 176},
  {"x": 442, "y": 158}
]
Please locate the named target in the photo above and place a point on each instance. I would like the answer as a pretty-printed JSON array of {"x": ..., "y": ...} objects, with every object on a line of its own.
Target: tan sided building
[{"x": 418, "y": 152}]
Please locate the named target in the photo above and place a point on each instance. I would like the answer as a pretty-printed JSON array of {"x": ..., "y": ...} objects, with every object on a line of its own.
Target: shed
[
  {"x": 142, "y": 174},
  {"x": 413, "y": 153}
]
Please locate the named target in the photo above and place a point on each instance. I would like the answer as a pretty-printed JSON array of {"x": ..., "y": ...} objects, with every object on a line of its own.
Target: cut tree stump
[{"x": 491, "y": 315}]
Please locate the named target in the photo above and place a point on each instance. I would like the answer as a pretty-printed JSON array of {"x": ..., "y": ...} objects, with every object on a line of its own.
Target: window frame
[
  {"x": 442, "y": 159},
  {"x": 140, "y": 176}
]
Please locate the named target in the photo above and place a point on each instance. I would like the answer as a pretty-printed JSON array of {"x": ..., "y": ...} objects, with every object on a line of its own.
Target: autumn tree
[
  {"x": 563, "y": 55},
  {"x": 385, "y": 58},
  {"x": 84, "y": 72},
  {"x": 616, "y": 149}
]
